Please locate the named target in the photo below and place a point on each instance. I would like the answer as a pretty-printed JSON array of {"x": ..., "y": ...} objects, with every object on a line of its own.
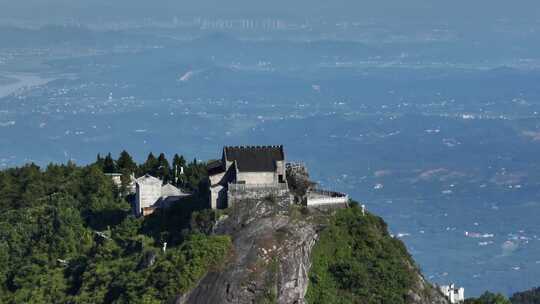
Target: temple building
[
  {"x": 253, "y": 167},
  {"x": 151, "y": 194}
]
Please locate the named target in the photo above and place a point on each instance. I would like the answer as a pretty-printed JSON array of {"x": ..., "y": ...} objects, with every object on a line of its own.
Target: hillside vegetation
[
  {"x": 68, "y": 236},
  {"x": 488, "y": 298},
  {"x": 531, "y": 296},
  {"x": 357, "y": 261},
  {"x": 526, "y": 297}
]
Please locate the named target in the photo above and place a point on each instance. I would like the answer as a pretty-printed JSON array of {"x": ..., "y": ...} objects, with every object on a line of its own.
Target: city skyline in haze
[{"x": 471, "y": 13}]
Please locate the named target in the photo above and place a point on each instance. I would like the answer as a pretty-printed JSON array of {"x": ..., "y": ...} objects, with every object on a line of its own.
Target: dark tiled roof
[
  {"x": 215, "y": 167},
  {"x": 255, "y": 158}
]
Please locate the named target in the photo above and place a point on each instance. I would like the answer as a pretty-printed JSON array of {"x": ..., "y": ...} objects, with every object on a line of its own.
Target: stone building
[
  {"x": 150, "y": 194},
  {"x": 117, "y": 181},
  {"x": 247, "y": 168},
  {"x": 455, "y": 295}
]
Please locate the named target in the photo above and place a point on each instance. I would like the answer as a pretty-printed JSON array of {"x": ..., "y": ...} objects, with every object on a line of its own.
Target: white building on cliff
[
  {"x": 150, "y": 194},
  {"x": 257, "y": 172},
  {"x": 246, "y": 167},
  {"x": 454, "y": 294}
]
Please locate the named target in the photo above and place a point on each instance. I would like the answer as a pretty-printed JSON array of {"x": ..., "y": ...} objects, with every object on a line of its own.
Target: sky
[{"x": 394, "y": 11}]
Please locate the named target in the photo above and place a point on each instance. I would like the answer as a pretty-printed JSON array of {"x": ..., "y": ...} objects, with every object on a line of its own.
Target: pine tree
[
  {"x": 150, "y": 166},
  {"x": 127, "y": 167},
  {"x": 195, "y": 173},
  {"x": 99, "y": 161},
  {"x": 179, "y": 161},
  {"x": 178, "y": 165},
  {"x": 108, "y": 164},
  {"x": 164, "y": 169},
  {"x": 125, "y": 162}
]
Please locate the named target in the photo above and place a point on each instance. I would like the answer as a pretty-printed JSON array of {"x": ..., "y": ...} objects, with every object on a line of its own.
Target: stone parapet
[{"x": 237, "y": 192}]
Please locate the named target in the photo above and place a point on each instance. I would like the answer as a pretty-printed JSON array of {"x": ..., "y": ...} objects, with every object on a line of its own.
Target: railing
[
  {"x": 295, "y": 165},
  {"x": 242, "y": 187},
  {"x": 328, "y": 193},
  {"x": 326, "y": 198}
]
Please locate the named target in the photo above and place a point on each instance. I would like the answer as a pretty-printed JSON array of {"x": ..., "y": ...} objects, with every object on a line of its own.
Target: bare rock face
[
  {"x": 271, "y": 260},
  {"x": 425, "y": 293}
]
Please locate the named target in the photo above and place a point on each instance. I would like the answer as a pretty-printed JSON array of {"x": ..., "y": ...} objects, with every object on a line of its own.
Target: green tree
[
  {"x": 150, "y": 166},
  {"x": 109, "y": 165},
  {"x": 127, "y": 167},
  {"x": 195, "y": 173},
  {"x": 102, "y": 207},
  {"x": 526, "y": 297},
  {"x": 100, "y": 161},
  {"x": 125, "y": 162},
  {"x": 178, "y": 165},
  {"x": 163, "y": 169},
  {"x": 489, "y": 298},
  {"x": 356, "y": 261},
  {"x": 66, "y": 237}
]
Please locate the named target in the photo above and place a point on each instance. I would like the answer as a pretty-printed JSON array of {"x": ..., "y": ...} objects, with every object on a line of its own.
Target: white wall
[
  {"x": 216, "y": 178},
  {"x": 147, "y": 195},
  {"x": 280, "y": 167},
  {"x": 327, "y": 201},
  {"x": 257, "y": 177},
  {"x": 218, "y": 197},
  {"x": 454, "y": 295}
]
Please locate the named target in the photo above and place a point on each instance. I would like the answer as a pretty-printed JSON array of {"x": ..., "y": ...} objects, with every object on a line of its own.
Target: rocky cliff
[{"x": 271, "y": 261}]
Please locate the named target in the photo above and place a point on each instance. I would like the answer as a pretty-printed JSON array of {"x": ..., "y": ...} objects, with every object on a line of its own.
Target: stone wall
[
  {"x": 238, "y": 192},
  {"x": 257, "y": 177},
  {"x": 280, "y": 168}
]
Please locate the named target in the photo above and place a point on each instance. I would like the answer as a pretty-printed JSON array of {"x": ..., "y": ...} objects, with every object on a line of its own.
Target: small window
[{"x": 280, "y": 178}]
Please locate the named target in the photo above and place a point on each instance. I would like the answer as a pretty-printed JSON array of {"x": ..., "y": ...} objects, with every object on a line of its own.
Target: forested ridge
[
  {"x": 357, "y": 261},
  {"x": 531, "y": 296},
  {"x": 67, "y": 235}
]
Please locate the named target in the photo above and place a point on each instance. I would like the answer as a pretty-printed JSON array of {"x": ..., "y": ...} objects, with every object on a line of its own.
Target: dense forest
[
  {"x": 488, "y": 298},
  {"x": 527, "y": 297},
  {"x": 67, "y": 235},
  {"x": 357, "y": 261}
]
